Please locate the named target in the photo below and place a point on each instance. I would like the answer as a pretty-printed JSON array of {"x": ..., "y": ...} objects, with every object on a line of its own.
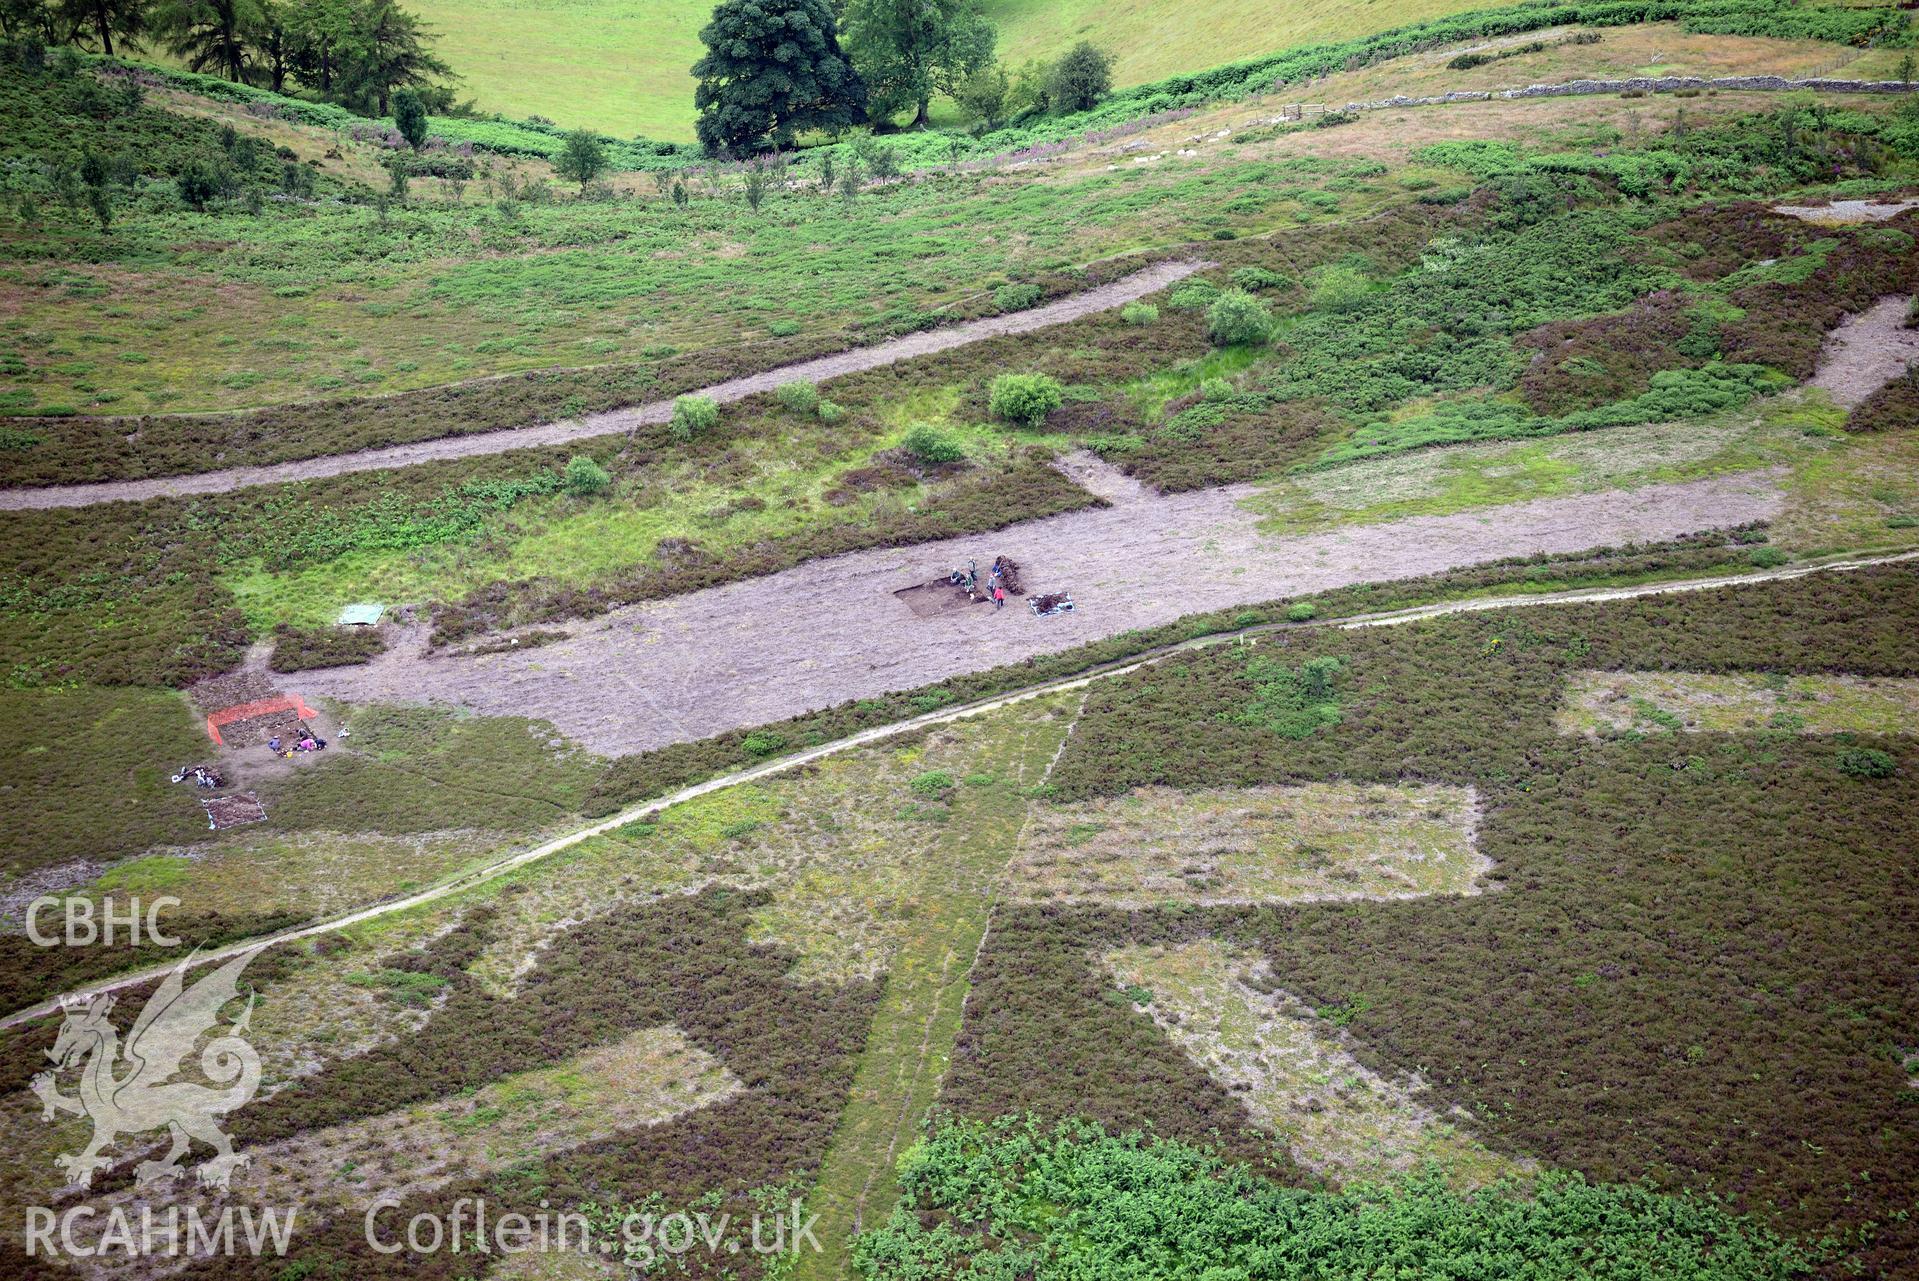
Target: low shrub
[
  {"x": 1867, "y": 762},
  {"x": 584, "y": 478},
  {"x": 1292, "y": 702},
  {"x": 932, "y": 447},
  {"x": 1139, "y": 313},
  {"x": 1340, "y": 287},
  {"x": 1303, "y": 612},
  {"x": 1193, "y": 295},
  {"x": 1236, "y": 318},
  {"x": 1025, "y": 399},
  {"x": 693, "y": 415},
  {"x": 798, "y": 397},
  {"x": 1017, "y": 297},
  {"x": 762, "y": 743},
  {"x": 933, "y": 785},
  {"x": 830, "y": 412}
]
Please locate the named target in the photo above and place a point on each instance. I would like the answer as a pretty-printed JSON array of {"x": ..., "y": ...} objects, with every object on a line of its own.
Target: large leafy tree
[
  {"x": 773, "y": 68},
  {"x": 101, "y": 20},
  {"x": 906, "y": 50},
  {"x": 209, "y": 35}
]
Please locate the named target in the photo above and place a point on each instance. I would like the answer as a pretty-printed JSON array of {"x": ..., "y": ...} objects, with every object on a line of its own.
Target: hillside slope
[{"x": 622, "y": 65}]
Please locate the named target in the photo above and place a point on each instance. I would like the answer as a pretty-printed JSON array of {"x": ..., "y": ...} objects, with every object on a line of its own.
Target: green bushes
[
  {"x": 1292, "y": 702},
  {"x": 1340, "y": 287},
  {"x": 1016, "y": 297},
  {"x": 1867, "y": 762},
  {"x": 1025, "y": 399},
  {"x": 584, "y": 478},
  {"x": 931, "y": 447},
  {"x": 762, "y": 743},
  {"x": 933, "y": 785},
  {"x": 1195, "y": 294},
  {"x": 798, "y": 397},
  {"x": 803, "y": 398},
  {"x": 1236, "y": 318},
  {"x": 693, "y": 416},
  {"x": 1139, "y": 313},
  {"x": 1015, "y": 1198}
]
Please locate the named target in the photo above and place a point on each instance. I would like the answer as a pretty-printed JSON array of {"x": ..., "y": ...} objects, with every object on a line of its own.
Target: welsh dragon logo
[{"x": 133, "y": 1090}]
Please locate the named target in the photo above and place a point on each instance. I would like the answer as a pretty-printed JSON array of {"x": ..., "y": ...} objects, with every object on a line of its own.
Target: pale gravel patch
[
  {"x": 1310, "y": 843},
  {"x": 1867, "y": 351},
  {"x": 762, "y": 650},
  {"x": 1296, "y": 1072},
  {"x": 1738, "y": 702},
  {"x": 1847, "y": 212},
  {"x": 859, "y": 360}
]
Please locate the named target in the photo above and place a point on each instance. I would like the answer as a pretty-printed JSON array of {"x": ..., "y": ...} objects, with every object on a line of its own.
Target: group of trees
[
  {"x": 777, "y": 68},
  {"x": 355, "y": 52}
]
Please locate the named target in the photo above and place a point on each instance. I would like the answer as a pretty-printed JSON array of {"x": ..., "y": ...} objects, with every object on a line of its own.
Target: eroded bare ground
[
  {"x": 858, "y": 360},
  {"x": 1252, "y": 845},
  {"x": 1737, "y": 703},
  {"x": 1294, "y": 1071},
  {"x": 1866, "y": 352},
  {"x": 762, "y": 650}
]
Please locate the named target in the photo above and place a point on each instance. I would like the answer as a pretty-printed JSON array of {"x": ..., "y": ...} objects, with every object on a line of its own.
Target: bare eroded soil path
[
  {"x": 768, "y": 648},
  {"x": 858, "y": 360}
]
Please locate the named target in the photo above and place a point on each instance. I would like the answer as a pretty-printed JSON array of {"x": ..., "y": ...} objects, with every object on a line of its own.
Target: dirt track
[
  {"x": 858, "y": 360},
  {"x": 758, "y": 651}
]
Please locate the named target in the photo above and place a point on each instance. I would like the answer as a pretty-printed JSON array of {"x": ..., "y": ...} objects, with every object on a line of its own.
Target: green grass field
[{"x": 621, "y": 66}]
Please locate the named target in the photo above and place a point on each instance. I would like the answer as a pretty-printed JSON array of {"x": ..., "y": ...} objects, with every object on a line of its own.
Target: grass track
[{"x": 918, "y": 1019}]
